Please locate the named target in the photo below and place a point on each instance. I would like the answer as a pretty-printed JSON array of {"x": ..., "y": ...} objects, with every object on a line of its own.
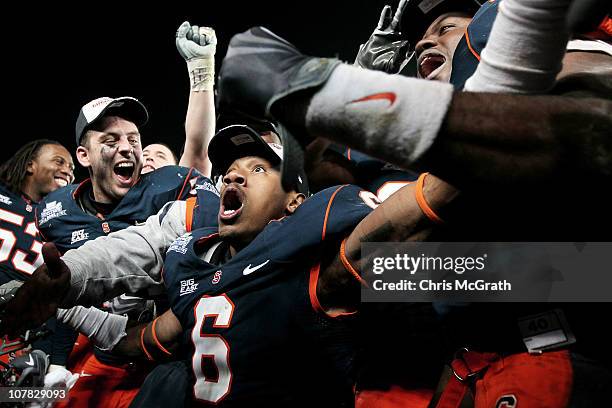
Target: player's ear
[
  {"x": 31, "y": 167},
  {"x": 295, "y": 200},
  {"x": 82, "y": 155}
]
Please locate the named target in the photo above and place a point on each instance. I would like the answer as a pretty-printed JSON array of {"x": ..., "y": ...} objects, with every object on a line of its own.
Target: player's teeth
[
  {"x": 62, "y": 182},
  {"x": 228, "y": 212},
  {"x": 125, "y": 165}
]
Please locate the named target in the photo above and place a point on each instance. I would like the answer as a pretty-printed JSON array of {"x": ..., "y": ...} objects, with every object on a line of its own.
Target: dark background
[{"x": 56, "y": 56}]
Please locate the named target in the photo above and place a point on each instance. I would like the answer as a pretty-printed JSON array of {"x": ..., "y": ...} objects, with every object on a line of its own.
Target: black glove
[
  {"x": 385, "y": 50},
  {"x": 260, "y": 68},
  {"x": 259, "y": 76},
  {"x": 32, "y": 368}
]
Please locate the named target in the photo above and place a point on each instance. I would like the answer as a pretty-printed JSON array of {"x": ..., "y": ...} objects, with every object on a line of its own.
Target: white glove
[
  {"x": 197, "y": 45},
  {"x": 59, "y": 376}
]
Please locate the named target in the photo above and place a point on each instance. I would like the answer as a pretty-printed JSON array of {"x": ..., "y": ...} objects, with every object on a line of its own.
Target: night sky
[{"x": 57, "y": 57}]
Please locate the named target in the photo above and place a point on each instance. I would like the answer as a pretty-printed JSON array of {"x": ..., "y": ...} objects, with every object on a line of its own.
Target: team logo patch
[
  {"x": 217, "y": 277},
  {"x": 79, "y": 235},
  {"x": 5, "y": 200},
  {"x": 188, "y": 286},
  {"x": 105, "y": 227},
  {"x": 506, "y": 401},
  {"x": 51, "y": 210},
  {"x": 202, "y": 186},
  {"x": 180, "y": 244},
  {"x": 29, "y": 208}
]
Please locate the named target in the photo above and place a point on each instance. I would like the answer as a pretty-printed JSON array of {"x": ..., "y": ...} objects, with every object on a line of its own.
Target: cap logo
[
  {"x": 93, "y": 108},
  {"x": 276, "y": 148},
  {"x": 427, "y": 5},
  {"x": 241, "y": 139}
]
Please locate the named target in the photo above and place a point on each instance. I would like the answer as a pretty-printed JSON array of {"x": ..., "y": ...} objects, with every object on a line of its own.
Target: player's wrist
[{"x": 201, "y": 73}]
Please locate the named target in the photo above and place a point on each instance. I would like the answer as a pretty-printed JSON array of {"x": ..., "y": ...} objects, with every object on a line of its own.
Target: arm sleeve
[
  {"x": 125, "y": 261},
  {"x": 104, "y": 328}
]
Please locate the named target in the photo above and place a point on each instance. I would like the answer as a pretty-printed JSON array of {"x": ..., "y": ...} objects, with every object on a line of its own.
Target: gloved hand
[
  {"x": 197, "y": 45},
  {"x": 272, "y": 69},
  {"x": 385, "y": 50},
  {"x": 259, "y": 81},
  {"x": 8, "y": 291}
]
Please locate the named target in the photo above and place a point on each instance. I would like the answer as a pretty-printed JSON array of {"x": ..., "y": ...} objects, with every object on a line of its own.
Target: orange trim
[
  {"x": 191, "y": 202},
  {"x": 328, "y": 209},
  {"x": 180, "y": 194},
  {"x": 422, "y": 202},
  {"x": 606, "y": 26},
  {"x": 348, "y": 153},
  {"x": 77, "y": 190},
  {"x": 312, "y": 288},
  {"x": 312, "y": 293},
  {"x": 348, "y": 266},
  {"x": 142, "y": 345},
  {"x": 159, "y": 345},
  {"x": 469, "y": 44}
]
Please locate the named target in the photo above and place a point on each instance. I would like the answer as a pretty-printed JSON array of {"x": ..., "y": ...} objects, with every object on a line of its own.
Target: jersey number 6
[{"x": 211, "y": 357}]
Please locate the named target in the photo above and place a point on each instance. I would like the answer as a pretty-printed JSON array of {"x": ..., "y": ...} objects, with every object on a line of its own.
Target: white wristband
[
  {"x": 392, "y": 117},
  {"x": 525, "y": 48}
]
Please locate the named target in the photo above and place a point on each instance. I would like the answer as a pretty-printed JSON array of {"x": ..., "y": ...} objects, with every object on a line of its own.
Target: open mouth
[
  {"x": 231, "y": 204},
  {"x": 124, "y": 172},
  {"x": 430, "y": 65},
  {"x": 60, "y": 181}
]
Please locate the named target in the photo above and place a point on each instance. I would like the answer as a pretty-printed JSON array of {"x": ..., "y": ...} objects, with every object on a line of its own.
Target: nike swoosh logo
[
  {"x": 249, "y": 270},
  {"x": 387, "y": 96},
  {"x": 30, "y": 361},
  {"x": 84, "y": 374}
]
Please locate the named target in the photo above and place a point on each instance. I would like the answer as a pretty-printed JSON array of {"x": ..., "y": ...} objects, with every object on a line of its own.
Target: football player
[
  {"x": 36, "y": 169},
  {"x": 263, "y": 302}
]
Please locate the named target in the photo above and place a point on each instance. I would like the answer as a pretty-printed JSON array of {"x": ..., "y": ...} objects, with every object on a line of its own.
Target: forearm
[
  {"x": 156, "y": 340},
  {"x": 126, "y": 261},
  {"x": 105, "y": 329},
  {"x": 399, "y": 218},
  {"x": 199, "y": 129},
  {"x": 466, "y": 138},
  {"x": 496, "y": 139}
]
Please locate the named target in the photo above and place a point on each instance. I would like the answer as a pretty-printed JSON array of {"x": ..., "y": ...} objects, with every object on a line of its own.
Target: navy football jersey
[
  {"x": 255, "y": 333},
  {"x": 62, "y": 219},
  {"x": 376, "y": 176},
  {"x": 20, "y": 246}
]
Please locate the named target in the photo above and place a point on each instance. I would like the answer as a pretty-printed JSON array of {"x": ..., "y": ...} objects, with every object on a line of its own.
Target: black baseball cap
[
  {"x": 126, "y": 107},
  {"x": 236, "y": 141},
  {"x": 420, "y": 14}
]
